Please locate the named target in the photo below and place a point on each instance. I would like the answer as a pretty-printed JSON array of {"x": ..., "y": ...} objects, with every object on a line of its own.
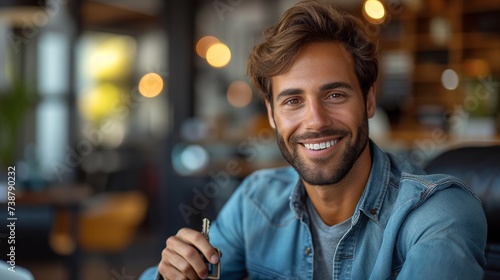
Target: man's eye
[
  {"x": 335, "y": 95},
  {"x": 292, "y": 101}
]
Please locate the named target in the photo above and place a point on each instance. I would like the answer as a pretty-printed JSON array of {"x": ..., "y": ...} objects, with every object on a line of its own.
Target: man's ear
[
  {"x": 270, "y": 115},
  {"x": 371, "y": 102}
]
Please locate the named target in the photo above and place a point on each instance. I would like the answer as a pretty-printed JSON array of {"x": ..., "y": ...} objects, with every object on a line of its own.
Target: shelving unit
[{"x": 463, "y": 36}]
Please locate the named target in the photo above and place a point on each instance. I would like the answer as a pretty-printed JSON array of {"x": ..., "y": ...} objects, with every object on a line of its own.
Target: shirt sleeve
[{"x": 444, "y": 238}]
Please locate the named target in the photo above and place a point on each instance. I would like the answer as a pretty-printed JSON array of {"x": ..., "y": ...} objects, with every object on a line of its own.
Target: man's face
[{"x": 319, "y": 113}]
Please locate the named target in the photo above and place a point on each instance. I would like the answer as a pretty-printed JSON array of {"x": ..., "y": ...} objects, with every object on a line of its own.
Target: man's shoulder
[
  {"x": 430, "y": 199},
  {"x": 445, "y": 207},
  {"x": 436, "y": 212},
  {"x": 412, "y": 182},
  {"x": 410, "y": 188},
  {"x": 426, "y": 185}
]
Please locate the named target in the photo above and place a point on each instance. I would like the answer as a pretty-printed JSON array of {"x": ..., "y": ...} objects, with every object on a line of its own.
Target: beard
[{"x": 322, "y": 172}]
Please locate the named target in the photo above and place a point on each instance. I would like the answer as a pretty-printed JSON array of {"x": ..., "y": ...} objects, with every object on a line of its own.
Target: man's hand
[{"x": 181, "y": 257}]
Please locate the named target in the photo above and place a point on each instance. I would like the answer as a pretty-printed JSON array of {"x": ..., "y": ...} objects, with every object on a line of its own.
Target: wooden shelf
[
  {"x": 470, "y": 30},
  {"x": 480, "y": 6},
  {"x": 427, "y": 43},
  {"x": 481, "y": 40}
]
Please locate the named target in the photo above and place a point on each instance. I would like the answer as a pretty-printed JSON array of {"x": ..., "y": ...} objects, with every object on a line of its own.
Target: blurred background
[{"x": 126, "y": 120}]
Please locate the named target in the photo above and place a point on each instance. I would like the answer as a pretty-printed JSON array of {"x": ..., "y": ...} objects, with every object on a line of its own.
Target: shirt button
[{"x": 307, "y": 251}]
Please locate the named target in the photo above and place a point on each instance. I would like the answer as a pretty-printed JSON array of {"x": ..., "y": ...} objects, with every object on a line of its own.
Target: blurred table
[
  {"x": 63, "y": 198},
  {"x": 61, "y": 195}
]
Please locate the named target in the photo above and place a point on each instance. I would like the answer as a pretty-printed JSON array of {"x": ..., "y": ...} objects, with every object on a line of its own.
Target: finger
[
  {"x": 178, "y": 249},
  {"x": 198, "y": 240},
  {"x": 173, "y": 266}
]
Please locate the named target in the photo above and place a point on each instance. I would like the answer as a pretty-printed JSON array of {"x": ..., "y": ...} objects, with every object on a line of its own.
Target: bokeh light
[
  {"x": 205, "y": 43},
  {"x": 189, "y": 159},
  {"x": 99, "y": 102},
  {"x": 194, "y": 157},
  {"x": 151, "y": 85},
  {"x": 476, "y": 68},
  {"x": 218, "y": 55},
  {"x": 374, "y": 11},
  {"x": 239, "y": 94},
  {"x": 449, "y": 79},
  {"x": 62, "y": 243},
  {"x": 110, "y": 58}
]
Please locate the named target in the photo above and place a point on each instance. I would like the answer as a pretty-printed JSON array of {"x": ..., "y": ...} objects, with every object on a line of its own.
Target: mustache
[{"x": 318, "y": 134}]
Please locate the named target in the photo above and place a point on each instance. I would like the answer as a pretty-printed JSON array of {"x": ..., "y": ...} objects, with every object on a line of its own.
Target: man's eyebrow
[
  {"x": 328, "y": 86},
  {"x": 335, "y": 85},
  {"x": 288, "y": 92}
]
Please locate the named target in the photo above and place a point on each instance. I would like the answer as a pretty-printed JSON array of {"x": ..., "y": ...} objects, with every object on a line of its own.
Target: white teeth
[{"x": 320, "y": 146}]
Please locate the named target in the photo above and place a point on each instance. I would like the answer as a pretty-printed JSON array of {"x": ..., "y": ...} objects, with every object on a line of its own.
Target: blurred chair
[
  {"x": 111, "y": 221},
  {"x": 479, "y": 168},
  {"x": 107, "y": 224}
]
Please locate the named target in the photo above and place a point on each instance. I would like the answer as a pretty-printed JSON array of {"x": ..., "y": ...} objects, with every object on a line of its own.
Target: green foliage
[{"x": 14, "y": 105}]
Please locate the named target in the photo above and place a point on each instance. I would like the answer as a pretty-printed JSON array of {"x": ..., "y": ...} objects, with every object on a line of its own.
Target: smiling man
[
  {"x": 320, "y": 110},
  {"x": 344, "y": 209}
]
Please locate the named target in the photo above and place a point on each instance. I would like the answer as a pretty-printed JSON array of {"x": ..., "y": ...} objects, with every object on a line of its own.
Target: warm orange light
[
  {"x": 374, "y": 11},
  {"x": 151, "y": 85},
  {"x": 205, "y": 43},
  {"x": 218, "y": 55},
  {"x": 239, "y": 94},
  {"x": 476, "y": 68}
]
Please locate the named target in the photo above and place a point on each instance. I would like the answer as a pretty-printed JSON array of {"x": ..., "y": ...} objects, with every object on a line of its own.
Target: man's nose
[{"x": 316, "y": 116}]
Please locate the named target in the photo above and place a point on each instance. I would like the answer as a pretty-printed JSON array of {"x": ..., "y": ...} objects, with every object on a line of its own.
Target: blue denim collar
[
  {"x": 373, "y": 195},
  {"x": 298, "y": 199}
]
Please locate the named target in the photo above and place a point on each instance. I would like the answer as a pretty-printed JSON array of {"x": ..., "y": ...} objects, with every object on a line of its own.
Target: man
[{"x": 344, "y": 209}]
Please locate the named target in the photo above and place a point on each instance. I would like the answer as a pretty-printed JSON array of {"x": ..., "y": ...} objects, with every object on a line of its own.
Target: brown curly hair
[{"x": 309, "y": 22}]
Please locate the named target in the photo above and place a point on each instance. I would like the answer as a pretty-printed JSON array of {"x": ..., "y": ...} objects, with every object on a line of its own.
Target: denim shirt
[{"x": 406, "y": 225}]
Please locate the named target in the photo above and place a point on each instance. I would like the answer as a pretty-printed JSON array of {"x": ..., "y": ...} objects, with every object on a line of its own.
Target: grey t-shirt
[{"x": 325, "y": 241}]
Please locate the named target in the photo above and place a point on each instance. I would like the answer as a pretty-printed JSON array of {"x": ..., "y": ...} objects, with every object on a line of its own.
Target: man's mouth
[{"x": 321, "y": 146}]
